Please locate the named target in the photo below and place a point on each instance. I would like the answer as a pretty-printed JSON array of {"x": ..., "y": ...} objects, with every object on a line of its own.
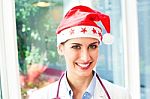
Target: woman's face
[{"x": 80, "y": 55}]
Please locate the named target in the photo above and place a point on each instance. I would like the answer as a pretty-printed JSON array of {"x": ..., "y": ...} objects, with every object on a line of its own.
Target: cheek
[
  {"x": 70, "y": 59},
  {"x": 70, "y": 56},
  {"x": 94, "y": 54}
]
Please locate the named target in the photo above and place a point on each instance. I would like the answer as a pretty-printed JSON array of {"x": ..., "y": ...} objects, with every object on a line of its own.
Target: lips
[{"x": 84, "y": 65}]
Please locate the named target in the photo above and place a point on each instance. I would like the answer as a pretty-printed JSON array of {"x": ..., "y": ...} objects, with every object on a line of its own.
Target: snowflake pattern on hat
[{"x": 83, "y": 30}]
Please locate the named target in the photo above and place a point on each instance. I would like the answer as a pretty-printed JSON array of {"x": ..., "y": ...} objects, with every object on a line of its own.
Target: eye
[
  {"x": 76, "y": 47},
  {"x": 93, "y": 46}
]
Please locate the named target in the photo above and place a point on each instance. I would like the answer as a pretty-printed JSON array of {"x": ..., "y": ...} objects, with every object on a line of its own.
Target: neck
[{"x": 79, "y": 83}]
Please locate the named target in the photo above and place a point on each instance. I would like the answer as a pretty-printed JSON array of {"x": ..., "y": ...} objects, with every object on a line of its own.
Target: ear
[{"x": 60, "y": 49}]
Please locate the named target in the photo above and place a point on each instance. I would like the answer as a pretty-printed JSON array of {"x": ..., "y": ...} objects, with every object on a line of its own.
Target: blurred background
[{"x": 39, "y": 62}]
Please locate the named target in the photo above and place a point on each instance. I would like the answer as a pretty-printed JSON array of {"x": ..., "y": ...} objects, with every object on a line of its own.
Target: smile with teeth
[{"x": 84, "y": 66}]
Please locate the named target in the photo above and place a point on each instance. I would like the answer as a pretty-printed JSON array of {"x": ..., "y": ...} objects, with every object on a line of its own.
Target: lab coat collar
[
  {"x": 98, "y": 93},
  {"x": 63, "y": 89}
]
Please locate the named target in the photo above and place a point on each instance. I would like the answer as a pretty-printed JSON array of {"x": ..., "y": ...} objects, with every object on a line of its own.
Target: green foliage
[
  {"x": 24, "y": 10},
  {"x": 35, "y": 35}
]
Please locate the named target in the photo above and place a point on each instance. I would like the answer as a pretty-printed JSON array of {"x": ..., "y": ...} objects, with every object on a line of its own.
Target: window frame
[
  {"x": 8, "y": 51},
  {"x": 131, "y": 45}
]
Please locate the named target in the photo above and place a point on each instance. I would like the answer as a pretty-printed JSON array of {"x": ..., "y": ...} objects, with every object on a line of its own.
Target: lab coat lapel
[
  {"x": 99, "y": 91},
  {"x": 63, "y": 90}
]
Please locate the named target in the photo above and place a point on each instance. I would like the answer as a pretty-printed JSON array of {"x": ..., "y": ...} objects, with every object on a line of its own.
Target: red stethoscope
[{"x": 57, "y": 95}]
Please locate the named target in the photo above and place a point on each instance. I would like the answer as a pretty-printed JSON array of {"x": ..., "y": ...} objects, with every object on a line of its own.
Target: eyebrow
[
  {"x": 94, "y": 43},
  {"x": 89, "y": 44}
]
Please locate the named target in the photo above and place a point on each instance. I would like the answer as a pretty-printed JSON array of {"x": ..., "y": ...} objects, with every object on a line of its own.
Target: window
[
  {"x": 144, "y": 41},
  {"x": 111, "y": 58},
  {"x": 36, "y": 24}
]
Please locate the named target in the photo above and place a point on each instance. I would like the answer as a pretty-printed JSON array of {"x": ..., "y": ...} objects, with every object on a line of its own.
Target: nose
[{"x": 85, "y": 55}]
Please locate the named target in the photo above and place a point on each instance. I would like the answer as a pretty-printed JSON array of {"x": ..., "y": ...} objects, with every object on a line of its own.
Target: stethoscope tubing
[
  {"x": 57, "y": 95},
  {"x": 103, "y": 86}
]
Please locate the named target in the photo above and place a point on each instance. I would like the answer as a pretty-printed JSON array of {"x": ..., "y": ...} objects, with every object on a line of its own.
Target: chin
[{"x": 84, "y": 73}]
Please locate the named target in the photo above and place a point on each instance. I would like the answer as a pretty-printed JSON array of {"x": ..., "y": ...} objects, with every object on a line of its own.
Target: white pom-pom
[{"x": 107, "y": 38}]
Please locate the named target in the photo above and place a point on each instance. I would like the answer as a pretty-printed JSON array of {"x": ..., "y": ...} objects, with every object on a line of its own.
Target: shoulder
[
  {"x": 46, "y": 92},
  {"x": 115, "y": 91}
]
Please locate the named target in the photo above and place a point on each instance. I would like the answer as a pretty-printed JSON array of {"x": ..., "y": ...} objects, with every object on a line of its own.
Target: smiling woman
[{"x": 78, "y": 40}]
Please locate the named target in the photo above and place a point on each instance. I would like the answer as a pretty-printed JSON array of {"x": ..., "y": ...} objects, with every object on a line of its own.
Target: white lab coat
[{"x": 50, "y": 91}]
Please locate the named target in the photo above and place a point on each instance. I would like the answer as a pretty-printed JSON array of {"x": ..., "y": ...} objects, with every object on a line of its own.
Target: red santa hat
[{"x": 80, "y": 21}]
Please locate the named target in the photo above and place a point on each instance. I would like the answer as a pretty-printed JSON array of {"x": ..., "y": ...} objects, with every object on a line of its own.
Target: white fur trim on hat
[{"x": 79, "y": 31}]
